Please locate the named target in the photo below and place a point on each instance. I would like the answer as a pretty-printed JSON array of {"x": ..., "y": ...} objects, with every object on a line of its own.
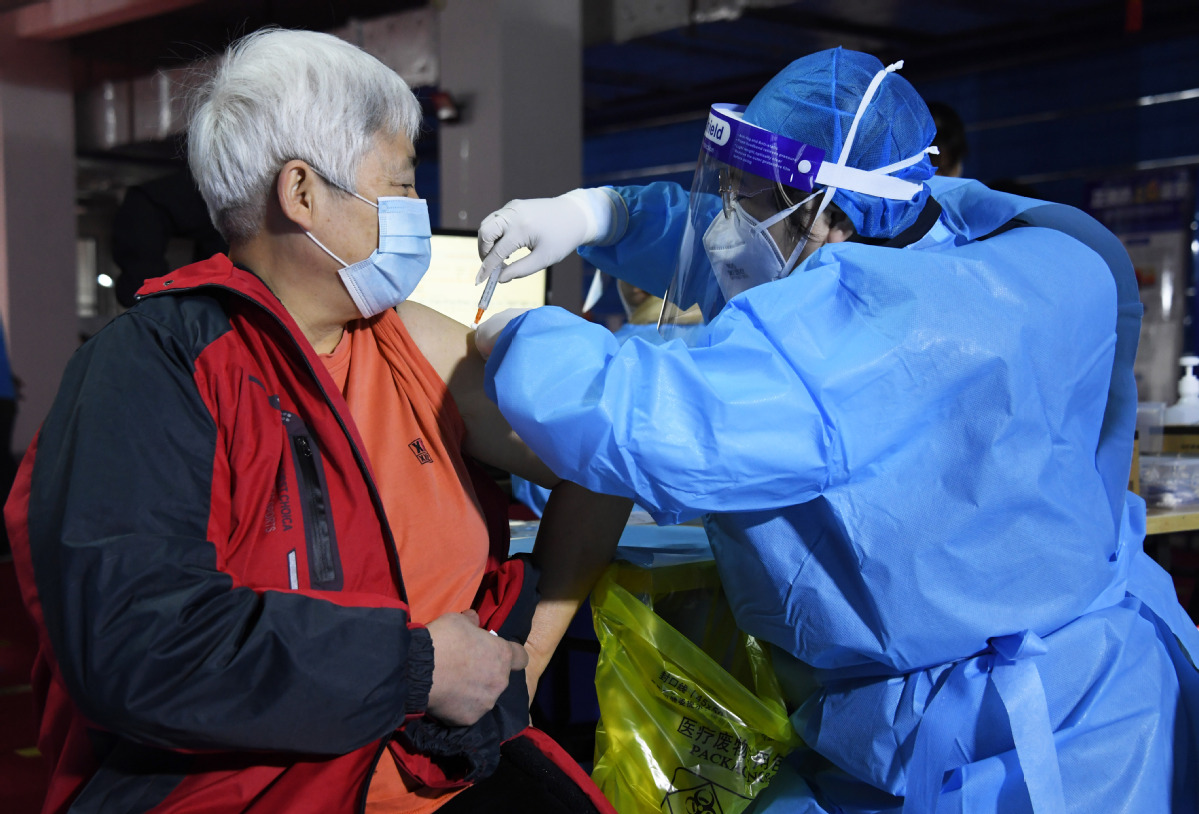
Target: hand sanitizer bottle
[{"x": 1186, "y": 409}]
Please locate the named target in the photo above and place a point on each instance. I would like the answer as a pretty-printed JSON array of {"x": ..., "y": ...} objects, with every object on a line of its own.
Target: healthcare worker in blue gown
[{"x": 907, "y": 425}]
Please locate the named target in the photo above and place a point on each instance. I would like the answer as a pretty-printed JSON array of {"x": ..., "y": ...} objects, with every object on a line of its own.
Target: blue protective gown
[
  {"x": 912, "y": 464},
  {"x": 536, "y": 497}
]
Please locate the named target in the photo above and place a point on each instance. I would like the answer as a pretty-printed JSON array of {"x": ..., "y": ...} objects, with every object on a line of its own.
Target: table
[
  {"x": 1165, "y": 521},
  {"x": 641, "y": 543}
]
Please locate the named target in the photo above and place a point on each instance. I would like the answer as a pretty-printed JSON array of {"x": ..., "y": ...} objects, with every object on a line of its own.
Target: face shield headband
[{"x": 726, "y": 247}]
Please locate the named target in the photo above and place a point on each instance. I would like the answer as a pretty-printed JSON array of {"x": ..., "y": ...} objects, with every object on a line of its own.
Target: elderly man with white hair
[{"x": 266, "y": 570}]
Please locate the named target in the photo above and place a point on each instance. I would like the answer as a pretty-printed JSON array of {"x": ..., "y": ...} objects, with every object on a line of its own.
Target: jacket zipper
[
  {"x": 320, "y": 548},
  {"x": 364, "y": 791},
  {"x": 392, "y": 552}
]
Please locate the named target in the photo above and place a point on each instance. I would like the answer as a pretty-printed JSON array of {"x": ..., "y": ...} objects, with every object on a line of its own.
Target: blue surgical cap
[{"x": 814, "y": 100}]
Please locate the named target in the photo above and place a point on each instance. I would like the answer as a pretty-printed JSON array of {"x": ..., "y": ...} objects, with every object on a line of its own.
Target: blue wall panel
[
  {"x": 614, "y": 157},
  {"x": 1056, "y": 122},
  {"x": 1057, "y": 125}
]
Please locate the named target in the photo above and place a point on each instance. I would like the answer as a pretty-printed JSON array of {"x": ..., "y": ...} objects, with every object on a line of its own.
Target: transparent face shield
[{"x": 754, "y": 200}]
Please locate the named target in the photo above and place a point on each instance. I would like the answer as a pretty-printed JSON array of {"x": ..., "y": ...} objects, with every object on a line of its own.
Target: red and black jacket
[{"x": 218, "y": 597}]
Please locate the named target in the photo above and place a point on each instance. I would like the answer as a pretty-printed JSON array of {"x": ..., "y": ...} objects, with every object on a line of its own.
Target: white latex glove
[
  {"x": 551, "y": 228},
  {"x": 489, "y": 331}
]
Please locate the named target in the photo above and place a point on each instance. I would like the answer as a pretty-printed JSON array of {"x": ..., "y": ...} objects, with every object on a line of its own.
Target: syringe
[{"x": 488, "y": 290}]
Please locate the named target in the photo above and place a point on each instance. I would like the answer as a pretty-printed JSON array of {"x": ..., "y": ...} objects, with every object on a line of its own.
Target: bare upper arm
[
  {"x": 447, "y": 344},
  {"x": 450, "y": 348}
]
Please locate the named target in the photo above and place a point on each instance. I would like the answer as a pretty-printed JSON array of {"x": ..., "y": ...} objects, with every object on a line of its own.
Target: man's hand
[
  {"x": 471, "y": 667},
  {"x": 551, "y": 228}
]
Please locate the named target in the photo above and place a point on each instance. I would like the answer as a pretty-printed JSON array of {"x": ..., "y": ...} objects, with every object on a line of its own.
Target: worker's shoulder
[{"x": 1047, "y": 242}]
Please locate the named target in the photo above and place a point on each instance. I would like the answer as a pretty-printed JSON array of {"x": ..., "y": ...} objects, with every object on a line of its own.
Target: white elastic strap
[
  {"x": 325, "y": 248},
  {"x": 867, "y": 97},
  {"x": 876, "y": 182},
  {"x": 763, "y": 225},
  {"x": 824, "y": 202},
  {"x": 907, "y": 162},
  {"x": 868, "y": 182},
  {"x": 335, "y": 185},
  {"x": 773, "y": 219},
  {"x": 338, "y": 186},
  {"x": 790, "y": 264},
  {"x": 829, "y": 191}
]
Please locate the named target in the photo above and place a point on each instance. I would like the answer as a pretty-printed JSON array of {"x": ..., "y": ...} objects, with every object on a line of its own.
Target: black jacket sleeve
[{"x": 152, "y": 640}]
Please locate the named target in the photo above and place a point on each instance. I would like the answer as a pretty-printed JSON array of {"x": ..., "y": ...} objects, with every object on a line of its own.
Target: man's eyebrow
[{"x": 405, "y": 165}]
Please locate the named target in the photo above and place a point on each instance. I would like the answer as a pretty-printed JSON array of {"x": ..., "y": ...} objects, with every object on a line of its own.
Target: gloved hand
[
  {"x": 551, "y": 228},
  {"x": 489, "y": 331}
]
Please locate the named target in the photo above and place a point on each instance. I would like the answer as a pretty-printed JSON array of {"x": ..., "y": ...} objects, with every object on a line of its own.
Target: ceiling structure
[
  {"x": 178, "y": 37},
  {"x": 648, "y": 61},
  {"x": 682, "y": 68}
]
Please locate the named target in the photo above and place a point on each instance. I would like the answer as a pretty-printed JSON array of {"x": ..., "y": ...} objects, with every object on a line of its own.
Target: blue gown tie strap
[{"x": 1008, "y": 666}]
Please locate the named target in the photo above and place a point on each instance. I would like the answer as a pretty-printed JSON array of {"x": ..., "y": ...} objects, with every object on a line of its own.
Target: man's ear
[{"x": 295, "y": 189}]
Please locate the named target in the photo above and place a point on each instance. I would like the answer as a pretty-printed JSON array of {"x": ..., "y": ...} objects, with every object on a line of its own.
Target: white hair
[{"x": 280, "y": 95}]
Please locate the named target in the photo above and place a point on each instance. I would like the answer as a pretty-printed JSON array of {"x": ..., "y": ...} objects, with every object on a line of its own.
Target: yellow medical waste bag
[{"x": 691, "y": 716}]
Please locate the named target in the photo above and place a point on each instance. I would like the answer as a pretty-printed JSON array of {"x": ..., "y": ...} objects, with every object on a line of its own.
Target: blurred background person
[
  {"x": 950, "y": 140},
  {"x": 150, "y": 216}
]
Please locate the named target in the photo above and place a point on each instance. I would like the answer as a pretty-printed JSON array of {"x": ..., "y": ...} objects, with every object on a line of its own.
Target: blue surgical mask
[{"x": 391, "y": 273}]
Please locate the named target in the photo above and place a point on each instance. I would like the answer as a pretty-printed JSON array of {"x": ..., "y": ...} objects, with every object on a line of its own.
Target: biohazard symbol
[
  {"x": 694, "y": 794},
  {"x": 703, "y": 801}
]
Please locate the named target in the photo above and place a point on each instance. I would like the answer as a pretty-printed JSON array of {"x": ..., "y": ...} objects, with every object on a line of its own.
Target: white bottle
[{"x": 1186, "y": 409}]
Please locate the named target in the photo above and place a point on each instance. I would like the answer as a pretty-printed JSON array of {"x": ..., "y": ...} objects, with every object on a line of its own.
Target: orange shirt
[{"x": 413, "y": 436}]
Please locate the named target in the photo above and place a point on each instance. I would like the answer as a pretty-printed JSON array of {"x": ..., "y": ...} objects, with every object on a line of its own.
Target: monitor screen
[{"x": 449, "y": 285}]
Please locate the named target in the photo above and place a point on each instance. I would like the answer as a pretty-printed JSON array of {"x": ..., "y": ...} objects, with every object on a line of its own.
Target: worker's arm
[
  {"x": 655, "y": 217},
  {"x": 577, "y": 537},
  {"x": 630, "y": 232}
]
